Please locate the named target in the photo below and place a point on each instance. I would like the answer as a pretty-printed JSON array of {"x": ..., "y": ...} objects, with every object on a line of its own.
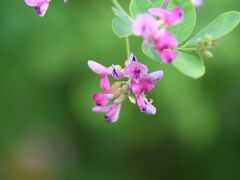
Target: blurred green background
[{"x": 47, "y": 129}]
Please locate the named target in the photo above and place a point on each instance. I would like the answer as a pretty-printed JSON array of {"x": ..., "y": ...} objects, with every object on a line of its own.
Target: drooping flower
[
  {"x": 169, "y": 18},
  {"x": 153, "y": 27},
  {"x": 41, "y": 6},
  {"x": 142, "y": 83},
  {"x": 135, "y": 88},
  {"x": 146, "y": 26},
  {"x": 165, "y": 45}
]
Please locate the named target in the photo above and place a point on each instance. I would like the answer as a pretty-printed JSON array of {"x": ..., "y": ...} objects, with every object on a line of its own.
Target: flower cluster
[
  {"x": 153, "y": 26},
  {"x": 41, "y": 6},
  {"x": 138, "y": 83}
]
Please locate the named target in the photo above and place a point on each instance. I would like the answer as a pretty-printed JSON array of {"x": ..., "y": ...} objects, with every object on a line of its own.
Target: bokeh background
[{"x": 47, "y": 129}]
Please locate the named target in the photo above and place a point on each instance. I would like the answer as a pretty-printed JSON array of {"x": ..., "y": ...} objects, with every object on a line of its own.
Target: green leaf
[
  {"x": 122, "y": 23},
  {"x": 190, "y": 63},
  {"x": 185, "y": 29},
  {"x": 151, "y": 52},
  {"x": 219, "y": 27},
  {"x": 142, "y": 6}
]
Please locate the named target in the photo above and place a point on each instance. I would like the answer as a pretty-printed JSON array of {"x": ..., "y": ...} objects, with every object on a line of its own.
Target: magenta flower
[
  {"x": 41, "y": 6},
  {"x": 168, "y": 17},
  {"x": 135, "y": 88},
  {"x": 165, "y": 45},
  {"x": 155, "y": 30},
  {"x": 146, "y": 26}
]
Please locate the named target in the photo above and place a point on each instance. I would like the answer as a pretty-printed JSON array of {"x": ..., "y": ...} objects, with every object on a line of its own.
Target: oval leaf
[
  {"x": 190, "y": 63},
  {"x": 142, "y": 6},
  {"x": 219, "y": 27},
  {"x": 185, "y": 29},
  {"x": 122, "y": 23}
]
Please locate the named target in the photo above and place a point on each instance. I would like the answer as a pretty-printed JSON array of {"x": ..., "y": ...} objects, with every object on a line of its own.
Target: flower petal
[
  {"x": 105, "y": 84},
  {"x": 31, "y": 2},
  {"x": 145, "y": 106},
  {"x": 168, "y": 55},
  {"x": 135, "y": 70},
  {"x": 100, "y": 99},
  {"x": 101, "y": 109},
  {"x": 99, "y": 69},
  {"x": 150, "y": 109},
  {"x": 163, "y": 14},
  {"x": 176, "y": 16},
  {"x": 112, "y": 114},
  {"x": 117, "y": 73},
  {"x": 41, "y": 8},
  {"x": 143, "y": 86},
  {"x": 169, "y": 17},
  {"x": 145, "y": 25},
  {"x": 154, "y": 77}
]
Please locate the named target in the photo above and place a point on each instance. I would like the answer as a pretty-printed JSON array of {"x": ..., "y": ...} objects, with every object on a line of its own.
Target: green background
[{"x": 47, "y": 129}]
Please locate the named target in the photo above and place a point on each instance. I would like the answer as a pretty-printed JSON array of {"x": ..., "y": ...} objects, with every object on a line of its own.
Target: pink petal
[
  {"x": 163, "y": 14},
  {"x": 145, "y": 106},
  {"x": 168, "y": 55},
  {"x": 100, "y": 99},
  {"x": 31, "y": 2},
  {"x": 101, "y": 109},
  {"x": 145, "y": 25},
  {"x": 176, "y": 16},
  {"x": 143, "y": 86},
  {"x": 41, "y": 8},
  {"x": 112, "y": 114},
  {"x": 99, "y": 69},
  {"x": 150, "y": 109},
  {"x": 105, "y": 84},
  {"x": 166, "y": 41},
  {"x": 169, "y": 17},
  {"x": 135, "y": 70},
  {"x": 117, "y": 73},
  {"x": 154, "y": 77}
]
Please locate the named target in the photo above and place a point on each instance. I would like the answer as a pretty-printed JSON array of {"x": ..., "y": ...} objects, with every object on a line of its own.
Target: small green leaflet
[
  {"x": 122, "y": 23},
  {"x": 189, "y": 63}
]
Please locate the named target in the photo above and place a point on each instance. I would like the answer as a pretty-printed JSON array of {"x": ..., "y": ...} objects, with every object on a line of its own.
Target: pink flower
[
  {"x": 112, "y": 112},
  {"x": 102, "y": 99},
  {"x": 147, "y": 83},
  {"x": 169, "y": 17},
  {"x": 146, "y": 26},
  {"x": 135, "y": 70},
  {"x": 152, "y": 29},
  {"x": 145, "y": 106},
  {"x": 139, "y": 83},
  {"x": 41, "y": 6},
  {"x": 165, "y": 45}
]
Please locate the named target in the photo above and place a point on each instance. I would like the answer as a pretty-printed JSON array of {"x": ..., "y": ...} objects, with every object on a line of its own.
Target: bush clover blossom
[
  {"x": 41, "y": 6},
  {"x": 153, "y": 27},
  {"x": 135, "y": 88}
]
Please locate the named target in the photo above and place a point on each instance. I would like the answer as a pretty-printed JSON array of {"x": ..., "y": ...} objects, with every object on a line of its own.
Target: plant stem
[
  {"x": 165, "y": 4},
  {"x": 128, "y": 47},
  {"x": 118, "y": 5}
]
